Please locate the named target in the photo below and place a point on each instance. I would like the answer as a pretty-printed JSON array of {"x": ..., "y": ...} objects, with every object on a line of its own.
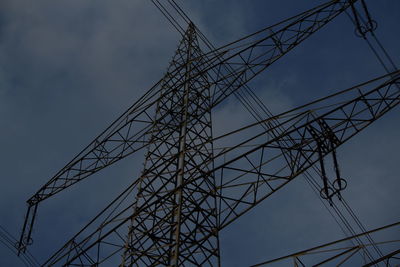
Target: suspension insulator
[
  {"x": 327, "y": 193},
  {"x": 339, "y": 184}
]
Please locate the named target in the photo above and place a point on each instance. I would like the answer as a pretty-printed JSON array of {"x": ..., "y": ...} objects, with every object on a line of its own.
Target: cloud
[{"x": 68, "y": 68}]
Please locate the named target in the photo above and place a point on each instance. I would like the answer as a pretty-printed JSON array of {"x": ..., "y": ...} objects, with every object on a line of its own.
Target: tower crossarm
[
  {"x": 123, "y": 137},
  {"x": 235, "y": 64},
  {"x": 254, "y": 169}
]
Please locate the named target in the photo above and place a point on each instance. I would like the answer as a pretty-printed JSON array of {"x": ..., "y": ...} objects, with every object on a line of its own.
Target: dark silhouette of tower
[{"x": 188, "y": 192}]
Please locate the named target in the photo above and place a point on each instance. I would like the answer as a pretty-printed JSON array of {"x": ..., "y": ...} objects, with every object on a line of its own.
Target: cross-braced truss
[
  {"x": 189, "y": 191},
  {"x": 341, "y": 252}
]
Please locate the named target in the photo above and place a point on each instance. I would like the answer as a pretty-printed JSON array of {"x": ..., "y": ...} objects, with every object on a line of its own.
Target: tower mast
[{"x": 178, "y": 229}]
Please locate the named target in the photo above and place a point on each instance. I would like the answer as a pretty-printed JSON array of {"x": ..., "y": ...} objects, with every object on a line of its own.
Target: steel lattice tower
[
  {"x": 188, "y": 192},
  {"x": 183, "y": 227}
]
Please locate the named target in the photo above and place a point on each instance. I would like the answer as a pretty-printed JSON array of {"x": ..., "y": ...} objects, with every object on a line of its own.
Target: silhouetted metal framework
[
  {"x": 339, "y": 253},
  {"x": 189, "y": 191}
]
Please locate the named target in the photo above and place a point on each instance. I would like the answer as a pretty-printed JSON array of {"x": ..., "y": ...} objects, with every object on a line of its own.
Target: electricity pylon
[
  {"x": 188, "y": 192},
  {"x": 183, "y": 227}
]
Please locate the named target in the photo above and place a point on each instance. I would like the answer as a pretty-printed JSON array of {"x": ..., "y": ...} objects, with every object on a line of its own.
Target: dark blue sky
[{"x": 69, "y": 67}]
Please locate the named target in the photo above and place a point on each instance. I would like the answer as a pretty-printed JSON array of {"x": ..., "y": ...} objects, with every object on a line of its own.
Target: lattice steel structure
[
  {"x": 338, "y": 253},
  {"x": 182, "y": 227},
  {"x": 188, "y": 192}
]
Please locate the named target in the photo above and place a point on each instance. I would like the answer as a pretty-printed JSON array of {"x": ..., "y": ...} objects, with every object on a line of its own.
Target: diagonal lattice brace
[{"x": 226, "y": 70}]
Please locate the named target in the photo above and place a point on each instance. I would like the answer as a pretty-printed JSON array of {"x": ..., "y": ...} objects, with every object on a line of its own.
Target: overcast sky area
[{"x": 68, "y": 68}]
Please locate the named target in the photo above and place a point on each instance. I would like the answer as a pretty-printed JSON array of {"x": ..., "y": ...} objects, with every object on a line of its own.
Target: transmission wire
[
  {"x": 10, "y": 242},
  {"x": 256, "y": 115}
]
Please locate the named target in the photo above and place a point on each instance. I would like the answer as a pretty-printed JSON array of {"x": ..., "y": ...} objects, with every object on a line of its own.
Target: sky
[{"x": 68, "y": 68}]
